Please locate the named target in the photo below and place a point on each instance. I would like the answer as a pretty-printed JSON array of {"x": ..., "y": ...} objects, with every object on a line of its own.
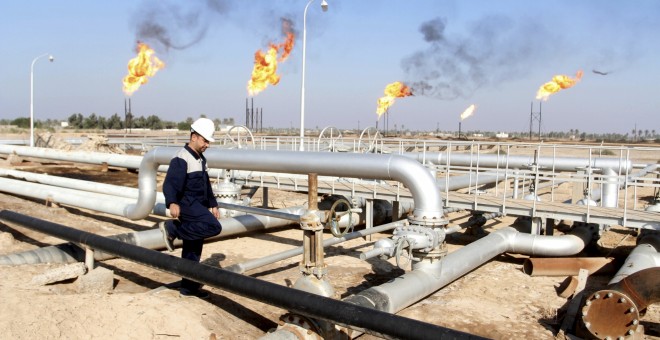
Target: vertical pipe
[
  {"x": 312, "y": 192},
  {"x": 531, "y": 119},
  {"x": 610, "y": 190},
  {"x": 540, "y": 117}
]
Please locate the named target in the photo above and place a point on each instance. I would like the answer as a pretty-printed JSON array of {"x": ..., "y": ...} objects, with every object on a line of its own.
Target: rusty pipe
[
  {"x": 568, "y": 266},
  {"x": 615, "y": 311}
]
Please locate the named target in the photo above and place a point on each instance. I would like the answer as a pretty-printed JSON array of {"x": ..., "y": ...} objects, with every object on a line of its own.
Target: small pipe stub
[{"x": 609, "y": 313}]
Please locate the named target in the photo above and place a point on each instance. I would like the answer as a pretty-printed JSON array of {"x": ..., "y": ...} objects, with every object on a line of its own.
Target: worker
[{"x": 189, "y": 198}]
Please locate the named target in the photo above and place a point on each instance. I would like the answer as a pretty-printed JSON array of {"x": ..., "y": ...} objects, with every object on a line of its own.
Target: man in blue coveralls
[{"x": 189, "y": 197}]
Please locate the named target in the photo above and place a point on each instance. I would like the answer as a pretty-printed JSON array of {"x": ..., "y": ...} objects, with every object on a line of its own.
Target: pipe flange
[
  {"x": 311, "y": 221},
  {"x": 304, "y": 328},
  {"x": 427, "y": 219},
  {"x": 609, "y": 313}
]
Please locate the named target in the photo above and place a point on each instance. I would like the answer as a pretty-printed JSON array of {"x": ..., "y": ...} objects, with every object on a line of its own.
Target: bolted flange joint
[{"x": 311, "y": 221}]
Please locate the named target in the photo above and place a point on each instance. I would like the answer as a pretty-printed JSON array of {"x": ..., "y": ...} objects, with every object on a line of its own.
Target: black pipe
[{"x": 360, "y": 318}]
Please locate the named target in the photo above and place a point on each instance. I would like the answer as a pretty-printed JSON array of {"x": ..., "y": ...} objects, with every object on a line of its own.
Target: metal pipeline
[
  {"x": 645, "y": 255},
  {"x": 568, "y": 266},
  {"x": 150, "y": 239},
  {"x": 428, "y": 203},
  {"x": 76, "y": 184},
  {"x": 476, "y": 220},
  {"x": 253, "y": 264},
  {"x": 89, "y": 200},
  {"x": 341, "y": 313},
  {"x": 610, "y": 188},
  {"x": 518, "y": 161},
  {"x": 427, "y": 277},
  {"x": 124, "y": 161},
  {"x": 615, "y": 311}
]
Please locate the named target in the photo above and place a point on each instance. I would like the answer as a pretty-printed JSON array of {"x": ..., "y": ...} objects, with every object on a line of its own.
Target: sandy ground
[{"x": 497, "y": 300}]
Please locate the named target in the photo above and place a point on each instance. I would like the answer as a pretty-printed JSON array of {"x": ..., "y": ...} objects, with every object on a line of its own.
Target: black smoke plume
[
  {"x": 174, "y": 27},
  {"x": 451, "y": 66}
]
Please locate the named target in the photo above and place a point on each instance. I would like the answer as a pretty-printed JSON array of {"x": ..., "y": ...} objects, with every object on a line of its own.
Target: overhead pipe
[
  {"x": 426, "y": 277},
  {"x": 521, "y": 161},
  {"x": 413, "y": 175},
  {"x": 338, "y": 312}
]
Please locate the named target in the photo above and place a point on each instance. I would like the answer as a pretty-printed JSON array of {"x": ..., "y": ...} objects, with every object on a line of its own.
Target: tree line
[{"x": 114, "y": 122}]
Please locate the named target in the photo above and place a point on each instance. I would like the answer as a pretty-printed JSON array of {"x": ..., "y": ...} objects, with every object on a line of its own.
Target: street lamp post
[
  {"x": 50, "y": 57},
  {"x": 324, "y": 6}
]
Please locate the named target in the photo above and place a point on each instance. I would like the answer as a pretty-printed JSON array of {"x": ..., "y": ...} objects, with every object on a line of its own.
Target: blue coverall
[{"x": 187, "y": 184}]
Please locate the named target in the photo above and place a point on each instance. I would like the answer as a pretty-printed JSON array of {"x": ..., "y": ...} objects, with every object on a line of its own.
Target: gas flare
[
  {"x": 265, "y": 64},
  {"x": 287, "y": 45},
  {"x": 392, "y": 91},
  {"x": 558, "y": 82},
  {"x": 141, "y": 68},
  {"x": 263, "y": 73},
  {"x": 468, "y": 112}
]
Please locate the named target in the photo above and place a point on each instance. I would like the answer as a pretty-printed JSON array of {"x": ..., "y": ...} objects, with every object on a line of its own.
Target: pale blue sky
[{"x": 494, "y": 54}]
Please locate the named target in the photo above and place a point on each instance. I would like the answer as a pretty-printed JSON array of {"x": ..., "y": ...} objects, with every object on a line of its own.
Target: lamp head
[
  {"x": 51, "y": 58},
  {"x": 324, "y": 6}
]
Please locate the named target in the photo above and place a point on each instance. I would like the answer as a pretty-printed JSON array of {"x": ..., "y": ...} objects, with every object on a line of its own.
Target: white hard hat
[{"x": 204, "y": 127}]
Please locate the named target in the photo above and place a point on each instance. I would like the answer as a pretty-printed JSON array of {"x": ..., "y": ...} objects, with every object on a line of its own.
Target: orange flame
[
  {"x": 141, "y": 68},
  {"x": 558, "y": 82},
  {"x": 263, "y": 73},
  {"x": 265, "y": 64},
  {"x": 394, "y": 90},
  {"x": 286, "y": 46},
  {"x": 468, "y": 112}
]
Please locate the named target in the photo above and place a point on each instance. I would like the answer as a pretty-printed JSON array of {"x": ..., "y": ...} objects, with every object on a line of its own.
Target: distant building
[
  {"x": 501, "y": 135},
  {"x": 64, "y": 124}
]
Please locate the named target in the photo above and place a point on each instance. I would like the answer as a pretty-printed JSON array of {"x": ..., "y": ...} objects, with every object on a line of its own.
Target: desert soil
[{"x": 497, "y": 300}]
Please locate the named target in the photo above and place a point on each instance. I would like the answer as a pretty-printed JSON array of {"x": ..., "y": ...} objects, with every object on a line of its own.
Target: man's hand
[
  {"x": 175, "y": 210},
  {"x": 215, "y": 212}
]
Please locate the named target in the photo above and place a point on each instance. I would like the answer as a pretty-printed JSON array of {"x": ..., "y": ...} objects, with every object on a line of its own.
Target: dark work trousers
[
  {"x": 192, "y": 234},
  {"x": 192, "y": 250}
]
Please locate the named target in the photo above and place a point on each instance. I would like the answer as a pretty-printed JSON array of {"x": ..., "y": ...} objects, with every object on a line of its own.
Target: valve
[
  {"x": 403, "y": 252},
  {"x": 334, "y": 217}
]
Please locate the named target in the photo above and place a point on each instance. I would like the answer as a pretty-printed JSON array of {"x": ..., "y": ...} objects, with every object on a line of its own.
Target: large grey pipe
[
  {"x": 76, "y": 184},
  {"x": 428, "y": 203},
  {"x": 89, "y": 200},
  {"x": 645, "y": 255},
  {"x": 120, "y": 160},
  {"x": 426, "y": 278}
]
